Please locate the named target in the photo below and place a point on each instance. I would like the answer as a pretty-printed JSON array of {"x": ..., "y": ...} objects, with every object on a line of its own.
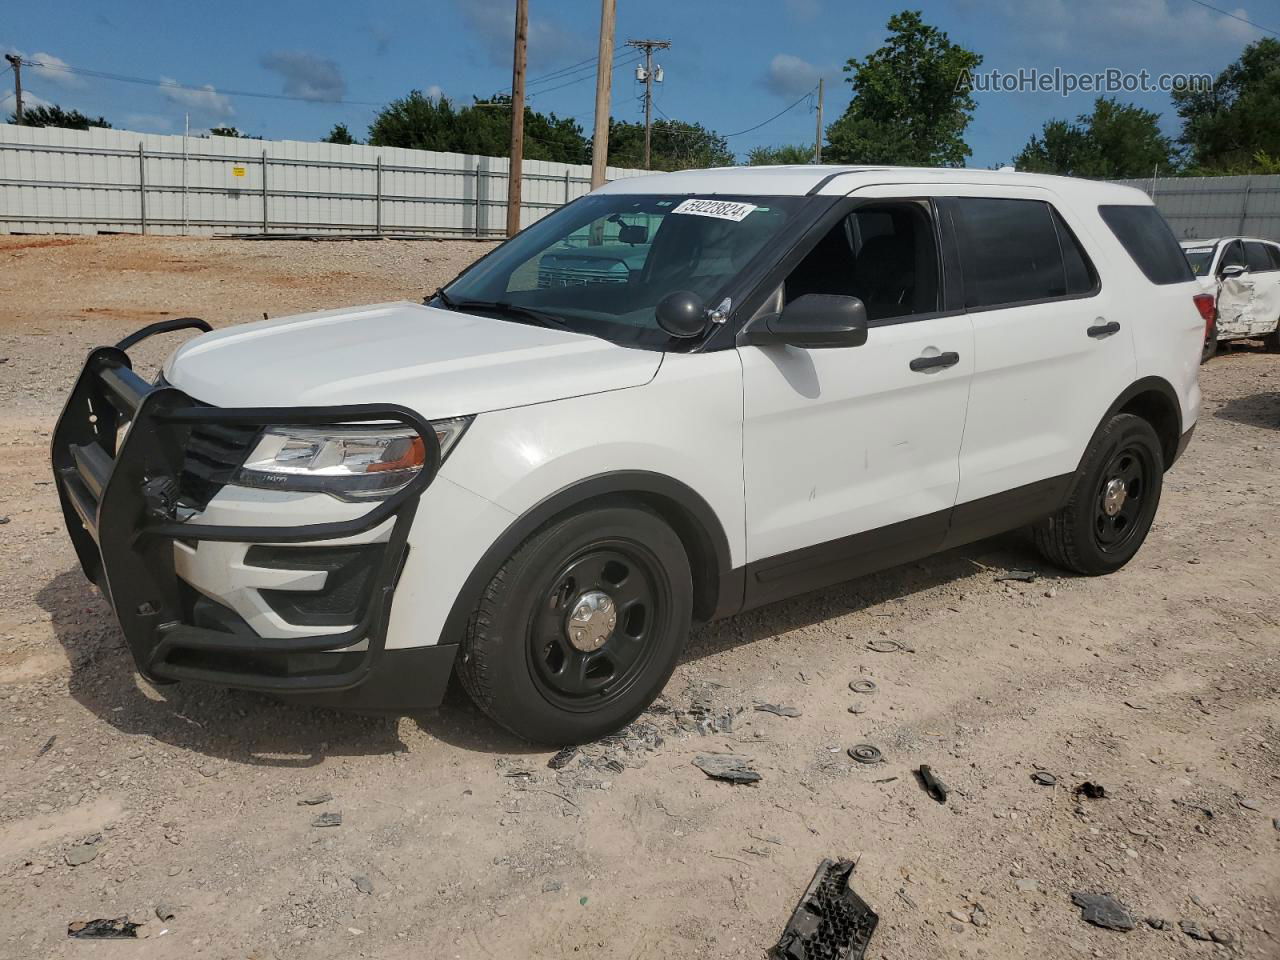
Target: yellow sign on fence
[{"x": 237, "y": 171}]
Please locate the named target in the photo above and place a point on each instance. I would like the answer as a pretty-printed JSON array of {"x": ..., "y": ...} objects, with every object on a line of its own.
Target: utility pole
[
  {"x": 817, "y": 140},
  {"x": 648, "y": 46},
  {"x": 515, "y": 171},
  {"x": 16, "y": 62},
  {"x": 604, "y": 86}
]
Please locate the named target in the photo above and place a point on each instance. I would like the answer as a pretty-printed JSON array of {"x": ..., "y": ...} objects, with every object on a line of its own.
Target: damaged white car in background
[{"x": 1243, "y": 274}]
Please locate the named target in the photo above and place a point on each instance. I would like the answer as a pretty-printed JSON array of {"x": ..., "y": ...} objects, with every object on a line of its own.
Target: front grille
[{"x": 213, "y": 454}]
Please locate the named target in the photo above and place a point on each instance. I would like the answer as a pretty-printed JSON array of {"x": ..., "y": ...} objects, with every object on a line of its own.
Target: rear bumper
[{"x": 131, "y": 508}]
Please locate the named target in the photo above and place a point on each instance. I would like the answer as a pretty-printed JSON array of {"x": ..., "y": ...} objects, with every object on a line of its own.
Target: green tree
[
  {"x": 230, "y": 132},
  {"x": 1225, "y": 128},
  {"x": 339, "y": 134},
  {"x": 54, "y": 116},
  {"x": 483, "y": 129},
  {"x": 911, "y": 103},
  {"x": 787, "y": 153},
  {"x": 674, "y": 145},
  {"x": 1115, "y": 141}
]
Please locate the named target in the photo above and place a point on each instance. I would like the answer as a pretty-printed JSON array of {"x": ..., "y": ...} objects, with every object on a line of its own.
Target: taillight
[{"x": 1207, "y": 307}]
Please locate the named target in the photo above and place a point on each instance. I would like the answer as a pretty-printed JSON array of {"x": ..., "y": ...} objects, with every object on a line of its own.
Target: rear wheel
[
  {"x": 1112, "y": 503},
  {"x": 581, "y": 628},
  {"x": 1272, "y": 340}
]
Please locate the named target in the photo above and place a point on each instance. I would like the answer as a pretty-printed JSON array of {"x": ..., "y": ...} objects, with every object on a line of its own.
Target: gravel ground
[{"x": 1162, "y": 683}]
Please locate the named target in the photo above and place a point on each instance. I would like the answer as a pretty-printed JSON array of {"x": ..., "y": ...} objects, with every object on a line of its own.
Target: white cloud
[
  {"x": 29, "y": 102},
  {"x": 307, "y": 75},
  {"x": 790, "y": 76},
  {"x": 206, "y": 100},
  {"x": 434, "y": 91},
  {"x": 494, "y": 21},
  {"x": 54, "y": 69}
]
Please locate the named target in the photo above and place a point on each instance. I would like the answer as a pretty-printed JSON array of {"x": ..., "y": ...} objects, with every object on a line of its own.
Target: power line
[
  {"x": 806, "y": 96},
  {"x": 618, "y": 66},
  {"x": 1236, "y": 16}
]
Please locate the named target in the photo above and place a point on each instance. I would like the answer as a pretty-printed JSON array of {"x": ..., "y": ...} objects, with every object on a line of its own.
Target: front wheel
[
  {"x": 582, "y": 627},
  {"x": 1113, "y": 500}
]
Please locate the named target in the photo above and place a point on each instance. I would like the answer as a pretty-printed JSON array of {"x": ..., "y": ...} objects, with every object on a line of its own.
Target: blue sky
[{"x": 731, "y": 64}]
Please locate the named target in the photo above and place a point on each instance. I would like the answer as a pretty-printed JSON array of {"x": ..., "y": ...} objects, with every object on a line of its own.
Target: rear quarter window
[{"x": 1148, "y": 240}]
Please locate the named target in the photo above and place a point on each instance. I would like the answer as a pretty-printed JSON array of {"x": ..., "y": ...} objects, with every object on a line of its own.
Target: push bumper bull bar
[{"x": 118, "y": 457}]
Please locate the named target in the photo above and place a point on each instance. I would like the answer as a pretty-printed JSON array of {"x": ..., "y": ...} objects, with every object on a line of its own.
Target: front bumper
[{"x": 129, "y": 507}]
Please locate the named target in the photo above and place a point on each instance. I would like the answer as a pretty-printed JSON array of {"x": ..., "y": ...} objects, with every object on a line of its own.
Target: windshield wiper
[
  {"x": 511, "y": 310},
  {"x": 442, "y": 297}
]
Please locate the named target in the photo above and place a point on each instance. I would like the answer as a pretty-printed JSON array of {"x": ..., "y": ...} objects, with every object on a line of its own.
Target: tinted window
[
  {"x": 1256, "y": 253},
  {"x": 1081, "y": 277},
  {"x": 1200, "y": 259},
  {"x": 1147, "y": 238},
  {"x": 1274, "y": 253},
  {"x": 1009, "y": 251},
  {"x": 886, "y": 256}
]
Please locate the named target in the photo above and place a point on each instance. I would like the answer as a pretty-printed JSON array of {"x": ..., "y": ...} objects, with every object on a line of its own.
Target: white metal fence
[
  {"x": 1203, "y": 207},
  {"x": 115, "y": 181}
]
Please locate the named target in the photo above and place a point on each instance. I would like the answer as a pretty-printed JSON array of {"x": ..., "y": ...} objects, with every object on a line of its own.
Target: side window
[
  {"x": 1274, "y": 253},
  {"x": 1233, "y": 256},
  {"x": 1009, "y": 251},
  {"x": 1256, "y": 255},
  {"x": 1146, "y": 237},
  {"x": 886, "y": 255},
  {"x": 1081, "y": 277}
]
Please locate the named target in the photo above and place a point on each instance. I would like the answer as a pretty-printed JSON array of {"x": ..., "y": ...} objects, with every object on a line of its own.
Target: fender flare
[
  {"x": 1151, "y": 384},
  {"x": 726, "y": 587}
]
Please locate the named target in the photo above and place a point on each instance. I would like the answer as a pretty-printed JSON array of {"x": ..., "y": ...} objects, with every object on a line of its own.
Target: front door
[{"x": 851, "y": 454}]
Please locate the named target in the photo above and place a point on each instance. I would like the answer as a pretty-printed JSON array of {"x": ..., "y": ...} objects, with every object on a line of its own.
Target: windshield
[
  {"x": 600, "y": 265},
  {"x": 1200, "y": 258}
]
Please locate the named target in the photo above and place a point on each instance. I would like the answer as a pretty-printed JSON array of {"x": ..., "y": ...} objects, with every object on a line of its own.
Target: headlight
[{"x": 355, "y": 462}]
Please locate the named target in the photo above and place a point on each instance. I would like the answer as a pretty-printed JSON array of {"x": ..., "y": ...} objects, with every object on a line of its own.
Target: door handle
[
  {"x": 949, "y": 359},
  {"x": 1100, "y": 330}
]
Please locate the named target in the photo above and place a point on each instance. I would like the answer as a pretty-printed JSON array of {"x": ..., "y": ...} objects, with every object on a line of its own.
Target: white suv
[
  {"x": 1243, "y": 276},
  {"x": 675, "y": 399}
]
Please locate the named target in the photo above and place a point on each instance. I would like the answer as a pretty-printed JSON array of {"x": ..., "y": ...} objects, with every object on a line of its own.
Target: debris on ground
[
  {"x": 932, "y": 785},
  {"x": 857, "y": 708},
  {"x": 1044, "y": 778},
  {"x": 1091, "y": 791},
  {"x": 1194, "y": 806},
  {"x": 703, "y": 715},
  {"x": 885, "y": 645},
  {"x": 165, "y": 912},
  {"x": 1248, "y": 803},
  {"x": 1157, "y": 923},
  {"x": 778, "y": 709},
  {"x": 726, "y": 766},
  {"x": 1194, "y": 931},
  {"x": 83, "y": 853},
  {"x": 48, "y": 744},
  {"x": 1103, "y": 910},
  {"x": 118, "y": 929},
  {"x": 1020, "y": 576},
  {"x": 831, "y": 922},
  {"x": 863, "y": 686},
  {"x": 562, "y": 758},
  {"x": 866, "y": 753},
  {"x": 328, "y": 820},
  {"x": 363, "y": 883},
  {"x": 316, "y": 799}
]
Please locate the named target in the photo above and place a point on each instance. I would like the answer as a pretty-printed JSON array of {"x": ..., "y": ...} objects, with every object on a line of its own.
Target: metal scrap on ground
[
  {"x": 932, "y": 785},
  {"x": 1104, "y": 910},
  {"x": 778, "y": 710},
  {"x": 726, "y": 766},
  {"x": 118, "y": 929},
  {"x": 831, "y": 922}
]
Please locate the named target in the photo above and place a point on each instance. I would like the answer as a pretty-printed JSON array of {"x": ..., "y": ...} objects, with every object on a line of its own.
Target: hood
[{"x": 437, "y": 362}]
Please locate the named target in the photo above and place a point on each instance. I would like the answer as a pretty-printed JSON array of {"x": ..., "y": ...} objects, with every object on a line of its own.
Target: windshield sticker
[
  {"x": 720, "y": 209},
  {"x": 1191, "y": 250}
]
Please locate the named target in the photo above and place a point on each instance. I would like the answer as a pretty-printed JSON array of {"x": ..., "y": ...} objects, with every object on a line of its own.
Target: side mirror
[
  {"x": 682, "y": 314},
  {"x": 814, "y": 321},
  {"x": 1232, "y": 270}
]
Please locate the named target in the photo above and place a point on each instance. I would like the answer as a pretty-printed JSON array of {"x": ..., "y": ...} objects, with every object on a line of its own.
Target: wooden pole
[
  {"x": 604, "y": 88},
  {"x": 516, "y": 169},
  {"x": 817, "y": 140}
]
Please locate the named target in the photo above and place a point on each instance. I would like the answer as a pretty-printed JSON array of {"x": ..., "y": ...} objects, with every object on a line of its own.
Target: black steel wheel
[
  {"x": 1112, "y": 503},
  {"x": 581, "y": 627},
  {"x": 589, "y": 636}
]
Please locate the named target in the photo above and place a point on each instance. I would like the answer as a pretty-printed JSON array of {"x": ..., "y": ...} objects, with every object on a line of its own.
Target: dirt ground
[{"x": 1162, "y": 683}]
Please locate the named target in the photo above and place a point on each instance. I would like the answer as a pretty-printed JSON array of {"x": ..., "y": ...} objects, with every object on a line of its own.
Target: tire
[
  {"x": 1084, "y": 536},
  {"x": 519, "y": 662},
  {"x": 1272, "y": 341},
  {"x": 1210, "y": 342}
]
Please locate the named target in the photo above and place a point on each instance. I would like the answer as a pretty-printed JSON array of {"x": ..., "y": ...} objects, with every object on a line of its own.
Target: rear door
[
  {"x": 1051, "y": 356},
  {"x": 1266, "y": 287}
]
